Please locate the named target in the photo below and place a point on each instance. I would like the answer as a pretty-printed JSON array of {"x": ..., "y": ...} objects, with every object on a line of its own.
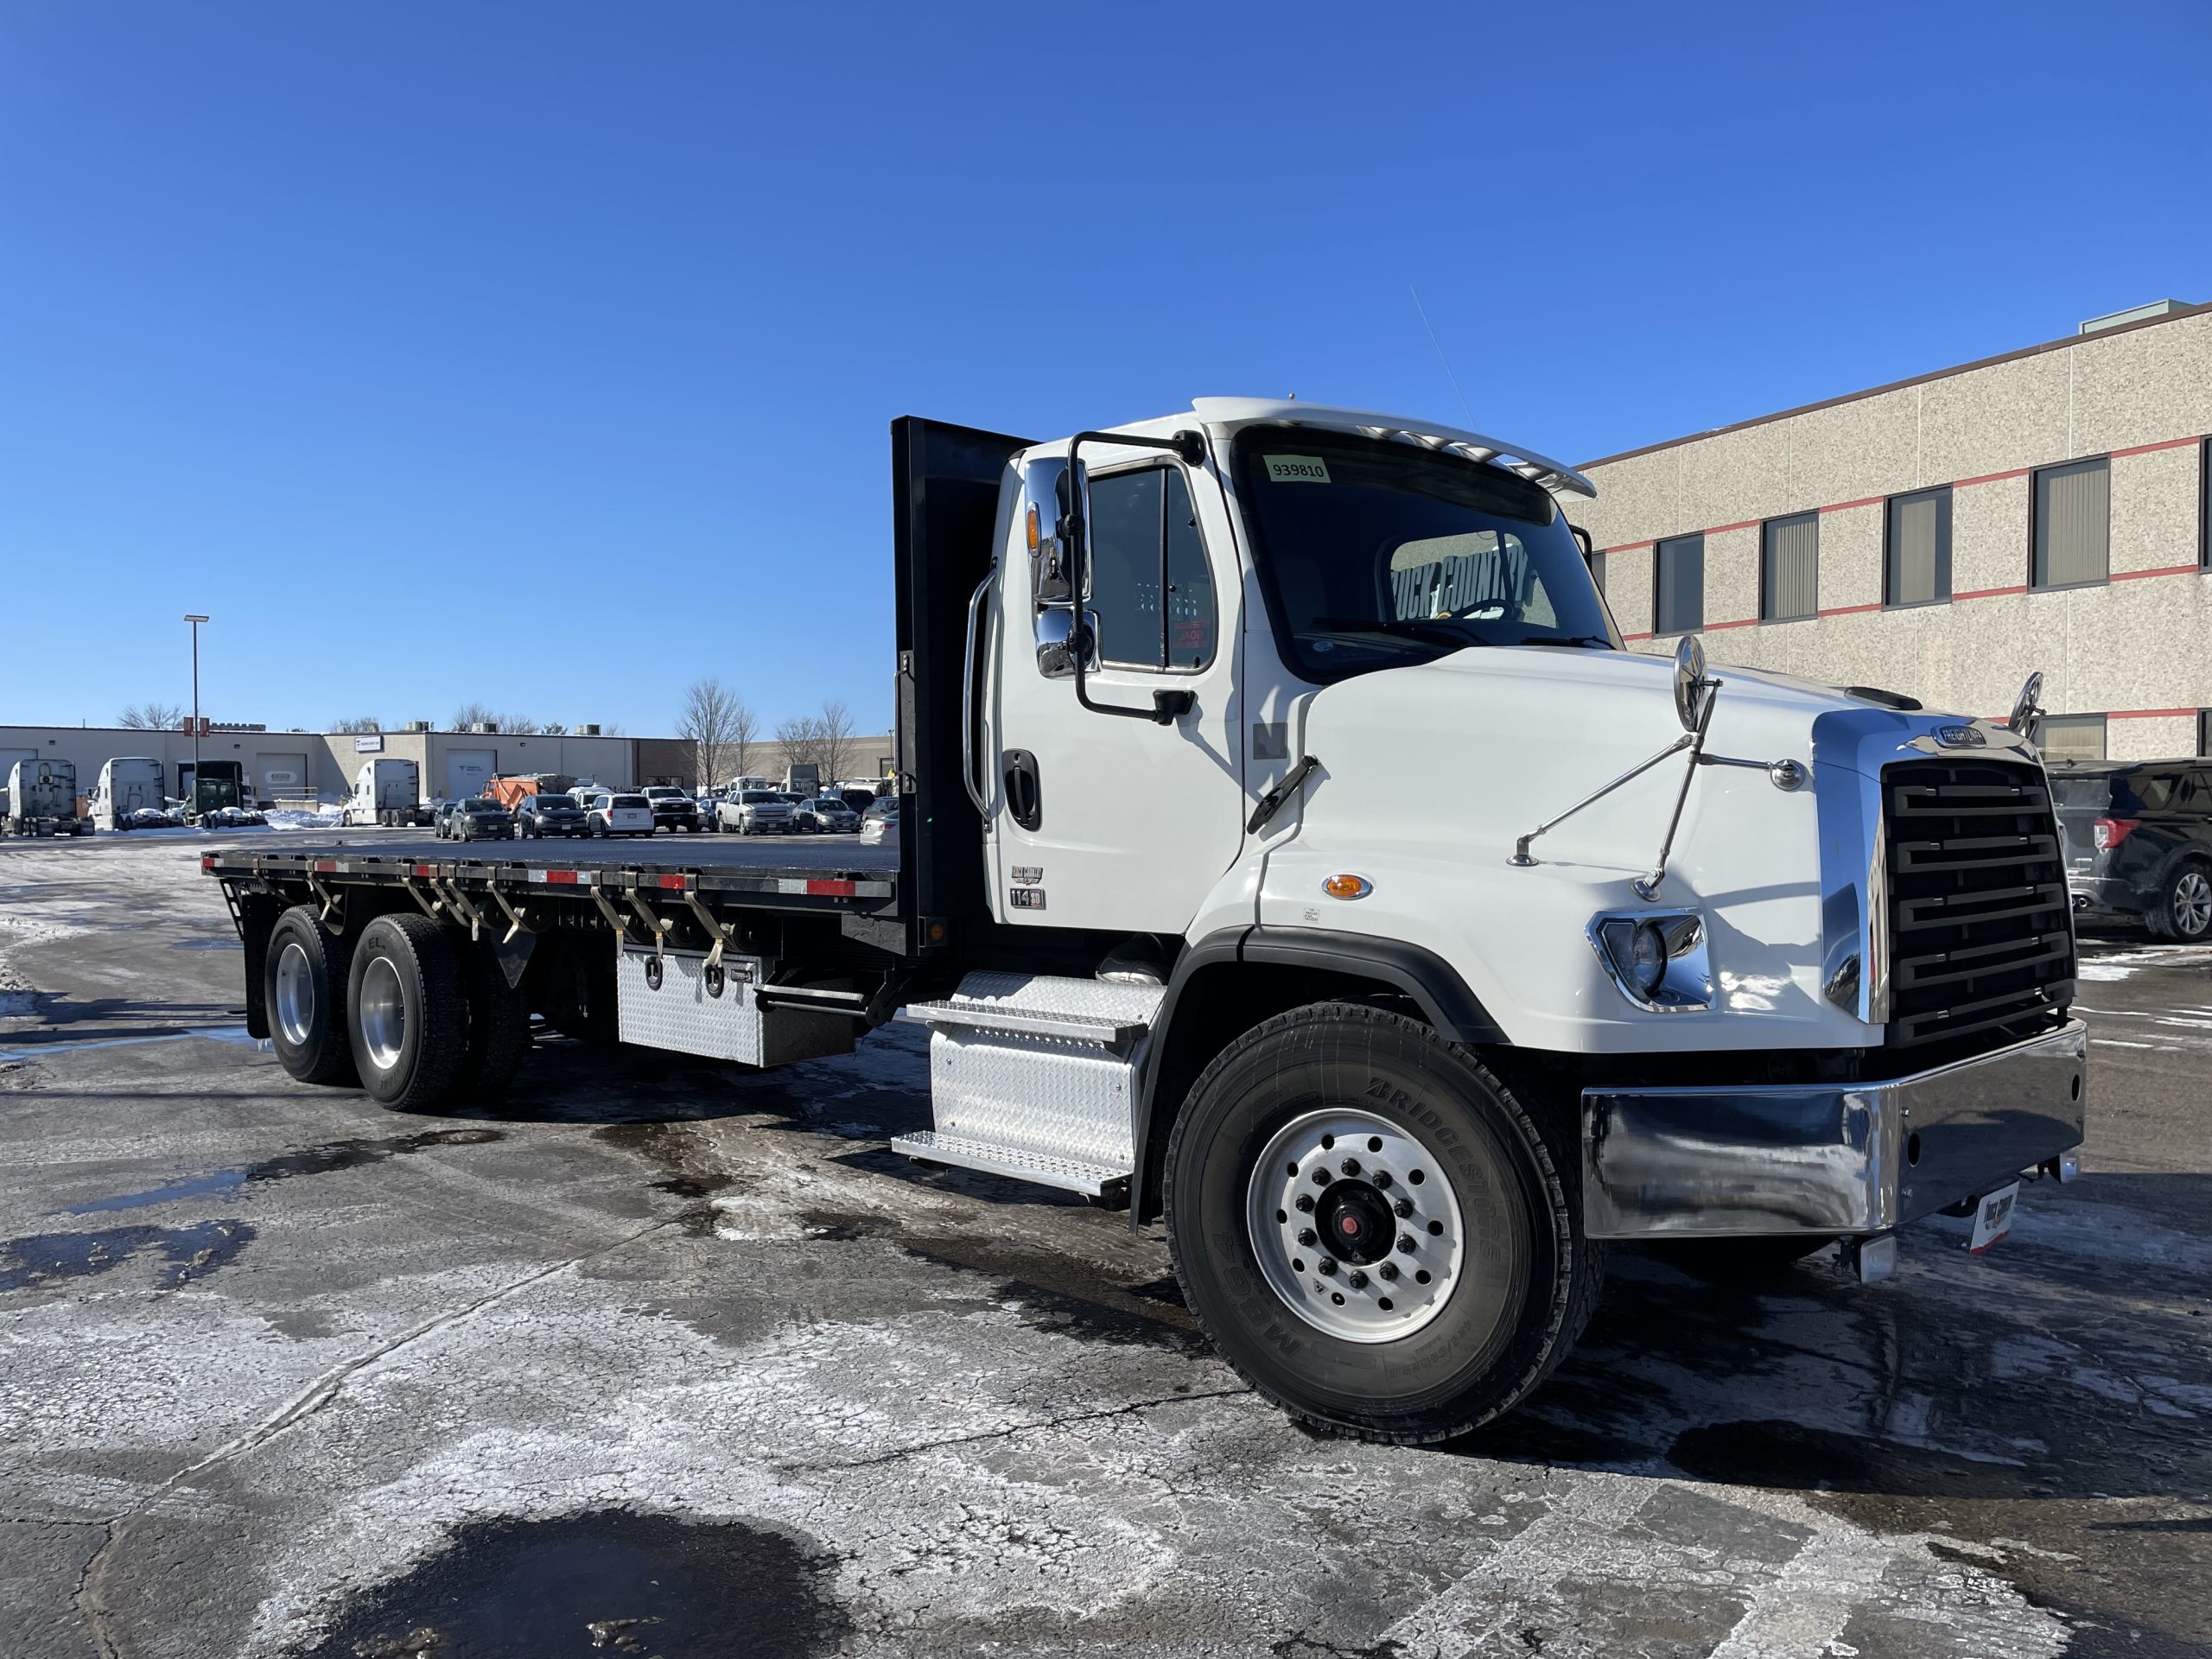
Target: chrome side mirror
[
  {"x": 1056, "y": 645},
  {"x": 1045, "y": 507},
  {"x": 1694, "y": 687},
  {"x": 2026, "y": 718}
]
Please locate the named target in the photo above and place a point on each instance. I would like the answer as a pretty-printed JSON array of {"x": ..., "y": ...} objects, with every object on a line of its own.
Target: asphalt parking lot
[{"x": 660, "y": 1358}]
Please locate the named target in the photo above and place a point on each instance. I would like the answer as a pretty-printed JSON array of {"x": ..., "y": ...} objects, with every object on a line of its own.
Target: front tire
[
  {"x": 303, "y": 989},
  {"x": 1363, "y": 1345},
  {"x": 404, "y": 1013}
]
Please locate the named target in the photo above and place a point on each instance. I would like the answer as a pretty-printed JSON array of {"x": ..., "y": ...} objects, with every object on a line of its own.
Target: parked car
[
  {"x": 831, "y": 813},
  {"x": 617, "y": 814},
  {"x": 671, "y": 808},
  {"x": 540, "y": 815},
  {"x": 880, "y": 825},
  {"x": 2138, "y": 844},
  {"x": 478, "y": 818},
  {"x": 755, "y": 812}
]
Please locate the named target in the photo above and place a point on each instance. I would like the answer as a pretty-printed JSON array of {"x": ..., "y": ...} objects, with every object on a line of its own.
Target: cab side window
[{"x": 1149, "y": 581}]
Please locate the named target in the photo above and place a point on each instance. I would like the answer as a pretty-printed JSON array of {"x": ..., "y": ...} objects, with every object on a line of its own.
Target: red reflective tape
[
  {"x": 675, "y": 881},
  {"x": 562, "y": 878},
  {"x": 326, "y": 867},
  {"x": 206, "y": 861},
  {"x": 833, "y": 889},
  {"x": 423, "y": 869}
]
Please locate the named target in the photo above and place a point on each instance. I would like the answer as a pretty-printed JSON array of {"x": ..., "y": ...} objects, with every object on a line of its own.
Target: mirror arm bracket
[{"x": 1190, "y": 447}]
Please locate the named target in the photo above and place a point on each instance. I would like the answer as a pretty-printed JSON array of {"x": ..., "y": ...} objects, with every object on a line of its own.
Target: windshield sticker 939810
[{"x": 1297, "y": 469}]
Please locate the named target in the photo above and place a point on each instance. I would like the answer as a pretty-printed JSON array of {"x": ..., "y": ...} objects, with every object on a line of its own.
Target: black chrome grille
[{"x": 1981, "y": 939}]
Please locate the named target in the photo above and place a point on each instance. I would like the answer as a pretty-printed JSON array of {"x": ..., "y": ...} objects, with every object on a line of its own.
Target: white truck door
[{"x": 1101, "y": 820}]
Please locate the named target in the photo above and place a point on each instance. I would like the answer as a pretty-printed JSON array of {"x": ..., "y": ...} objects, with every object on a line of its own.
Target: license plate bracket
[{"x": 1992, "y": 1217}]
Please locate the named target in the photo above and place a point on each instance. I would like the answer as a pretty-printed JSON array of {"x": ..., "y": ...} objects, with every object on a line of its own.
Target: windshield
[
  {"x": 758, "y": 797},
  {"x": 1375, "y": 552},
  {"x": 486, "y": 807}
]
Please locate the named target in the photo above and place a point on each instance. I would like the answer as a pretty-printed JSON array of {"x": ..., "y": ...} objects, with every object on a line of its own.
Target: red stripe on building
[
  {"x": 2163, "y": 570},
  {"x": 1992, "y": 477},
  {"x": 2149, "y": 713},
  {"x": 1991, "y": 592},
  {"x": 1846, "y": 506},
  {"x": 1715, "y": 627},
  {"x": 2153, "y": 449},
  {"x": 1627, "y": 547},
  {"x": 1851, "y": 610},
  {"x": 1627, "y": 636},
  {"x": 1748, "y": 523}
]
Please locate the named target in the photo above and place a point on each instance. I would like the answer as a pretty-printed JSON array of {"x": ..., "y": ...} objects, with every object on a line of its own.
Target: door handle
[
  {"x": 1025, "y": 789},
  {"x": 967, "y": 703}
]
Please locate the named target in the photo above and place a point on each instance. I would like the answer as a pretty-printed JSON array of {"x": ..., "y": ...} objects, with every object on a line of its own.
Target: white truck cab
[{"x": 1654, "y": 953}]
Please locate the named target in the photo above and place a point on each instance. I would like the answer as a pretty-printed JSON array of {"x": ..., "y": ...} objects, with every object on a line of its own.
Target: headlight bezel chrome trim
[{"x": 1685, "y": 983}]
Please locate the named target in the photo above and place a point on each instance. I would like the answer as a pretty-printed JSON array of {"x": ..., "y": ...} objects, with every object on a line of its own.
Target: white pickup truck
[{"x": 1652, "y": 953}]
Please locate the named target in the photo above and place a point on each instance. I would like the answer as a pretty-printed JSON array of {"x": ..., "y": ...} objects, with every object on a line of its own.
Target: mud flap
[
  {"x": 514, "y": 954},
  {"x": 257, "y": 914}
]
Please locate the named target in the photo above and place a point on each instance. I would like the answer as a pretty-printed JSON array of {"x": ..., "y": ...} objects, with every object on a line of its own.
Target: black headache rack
[{"x": 1980, "y": 928}]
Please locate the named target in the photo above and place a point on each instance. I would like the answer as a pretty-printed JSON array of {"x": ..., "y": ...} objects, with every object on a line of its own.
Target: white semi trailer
[
  {"x": 386, "y": 791},
  {"x": 127, "y": 785},
  {"x": 43, "y": 800},
  {"x": 1654, "y": 954}
]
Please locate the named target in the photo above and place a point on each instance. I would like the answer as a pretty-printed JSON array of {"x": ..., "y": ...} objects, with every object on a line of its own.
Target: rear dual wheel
[
  {"x": 304, "y": 990},
  {"x": 1370, "y": 1227},
  {"x": 431, "y": 1016}
]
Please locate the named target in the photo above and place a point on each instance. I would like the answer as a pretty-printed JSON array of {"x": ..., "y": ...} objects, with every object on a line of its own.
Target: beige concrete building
[{"x": 1942, "y": 536}]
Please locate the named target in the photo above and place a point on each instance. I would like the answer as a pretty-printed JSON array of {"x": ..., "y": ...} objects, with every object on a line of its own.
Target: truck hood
[{"x": 1427, "y": 775}]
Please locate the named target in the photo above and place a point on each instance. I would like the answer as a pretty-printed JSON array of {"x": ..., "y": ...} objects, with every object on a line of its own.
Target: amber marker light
[
  {"x": 1032, "y": 527},
  {"x": 1347, "y": 887}
]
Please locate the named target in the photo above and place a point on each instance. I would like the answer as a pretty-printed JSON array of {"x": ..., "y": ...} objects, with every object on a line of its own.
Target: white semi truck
[
  {"x": 128, "y": 785},
  {"x": 386, "y": 791},
  {"x": 43, "y": 800},
  {"x": 1654, "y": 954}
]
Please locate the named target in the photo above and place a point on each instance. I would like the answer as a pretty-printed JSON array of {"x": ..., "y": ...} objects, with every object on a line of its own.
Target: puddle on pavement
[
  {"x": 207, "y": 944},
  {"x": 234, "y": 1035},
  {"x": 595, "y": 1586},
  {"x": 310, "y": 1161},
  {"x": 187, "y": 1253}
]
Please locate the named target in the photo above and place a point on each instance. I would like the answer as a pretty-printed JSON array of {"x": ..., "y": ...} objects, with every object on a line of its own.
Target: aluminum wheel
[
  {"x": 383, "y": 1014},
  {"x": 2192, "y": 904},
  {"x": 1355, "y": 1225},
  {"x": 295, "y": 994}
]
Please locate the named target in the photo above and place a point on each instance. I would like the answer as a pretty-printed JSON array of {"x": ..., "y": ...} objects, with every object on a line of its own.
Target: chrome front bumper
[{"x": 1827, "y": 1158}]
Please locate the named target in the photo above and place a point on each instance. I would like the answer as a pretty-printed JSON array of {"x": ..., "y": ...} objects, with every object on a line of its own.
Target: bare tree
[
  {"x": 834, "y": 729},
  {"x": 800, "y": 738},
  {"x": 472, "y": 714},
  {"x": 356, "y": 724},
  {"x": 712, "y": 718},
  {"x": 744, "y": 731},
  {"x": 152, "y": 717}
]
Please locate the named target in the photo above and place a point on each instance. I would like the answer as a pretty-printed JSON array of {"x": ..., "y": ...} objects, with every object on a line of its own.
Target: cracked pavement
[{"x": 661, "y": 1357}]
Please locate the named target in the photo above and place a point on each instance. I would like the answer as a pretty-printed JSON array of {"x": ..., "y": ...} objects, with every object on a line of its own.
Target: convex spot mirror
[
  {"x": 1694, "y": 690},
  {"x": 1056, "y": 645}
]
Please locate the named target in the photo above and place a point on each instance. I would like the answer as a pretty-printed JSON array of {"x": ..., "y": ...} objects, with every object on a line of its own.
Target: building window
[
  {"x": 2204, "y": 731},
  {"x": 1678, "y": 599},
  {"x": 1790, "y": 567},
  {"x": 2073, "y": 737},
  {"x": 1598, "y": 571},
  {"x": 2073, "y": 523},
  {"x": 2204, "y": 502},
  {"x": 1916, "y": 561}
]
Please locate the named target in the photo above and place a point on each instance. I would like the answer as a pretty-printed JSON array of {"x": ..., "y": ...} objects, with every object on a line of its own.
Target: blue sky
[{"x": 544, "y": 354}]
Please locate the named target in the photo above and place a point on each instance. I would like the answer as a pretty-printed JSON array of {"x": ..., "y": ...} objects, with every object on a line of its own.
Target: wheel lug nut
[
  {"x": 1351, "y": 1166},
  {"x": 1405, "y": 1243},
  {"x": 1388, "y": 1270},
  {"x": 1320, "y": 1178},
  {"x": 1305, "y": 1200},
  {"x": 1381, "y": 1178},
  {"x": 1326, "y": 1266},
  {"x": 1358, "y": 1280},
  {"x": 1404, "y": 1207},
  {"x": 1306, "y": 1235}
]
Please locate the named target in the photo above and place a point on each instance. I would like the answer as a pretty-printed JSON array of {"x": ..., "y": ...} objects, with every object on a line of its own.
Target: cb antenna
[{"x": 1440, "y": 358}]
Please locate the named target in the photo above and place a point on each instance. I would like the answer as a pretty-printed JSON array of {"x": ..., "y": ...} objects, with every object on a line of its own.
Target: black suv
[
  {"x": 550, "y": 815},
  {"x": 2138, "y": 843}
]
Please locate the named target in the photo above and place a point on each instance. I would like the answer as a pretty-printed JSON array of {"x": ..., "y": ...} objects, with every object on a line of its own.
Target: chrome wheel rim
[
  {"x": 1318, "y": 1193},
  {"x": 295, "y": 993},
  {"x": 2192, "y": 904},
  {"x": 383, "y": 1014}
]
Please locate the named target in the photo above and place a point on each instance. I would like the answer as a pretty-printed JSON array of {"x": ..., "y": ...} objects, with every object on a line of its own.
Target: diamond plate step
[{"x": 1069, "y": 1174}]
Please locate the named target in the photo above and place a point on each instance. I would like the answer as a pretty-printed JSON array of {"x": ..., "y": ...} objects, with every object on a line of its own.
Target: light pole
[{"x": 196, "y": 622}]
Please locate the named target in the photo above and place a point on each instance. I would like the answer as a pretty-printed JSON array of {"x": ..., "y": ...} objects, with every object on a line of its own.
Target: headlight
[{"x": 1657, "y": 958}]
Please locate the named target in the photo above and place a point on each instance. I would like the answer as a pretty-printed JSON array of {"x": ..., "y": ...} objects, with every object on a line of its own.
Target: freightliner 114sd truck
[{"x": 1288, "y": 846}]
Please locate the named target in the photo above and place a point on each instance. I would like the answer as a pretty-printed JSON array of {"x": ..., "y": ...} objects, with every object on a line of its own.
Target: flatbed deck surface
[{"x": 811, "y": 855}]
